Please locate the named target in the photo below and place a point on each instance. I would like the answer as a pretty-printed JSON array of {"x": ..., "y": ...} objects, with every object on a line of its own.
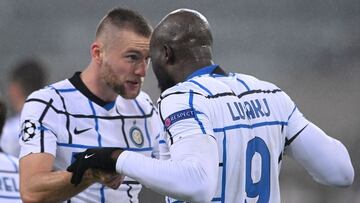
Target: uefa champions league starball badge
[{"x": 29, "y": 129}]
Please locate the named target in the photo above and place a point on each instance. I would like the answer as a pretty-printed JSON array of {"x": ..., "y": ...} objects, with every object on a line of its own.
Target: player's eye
[{"x": 133, "y": 57}]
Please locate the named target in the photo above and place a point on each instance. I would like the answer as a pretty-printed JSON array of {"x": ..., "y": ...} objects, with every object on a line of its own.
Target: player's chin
[{"x": 132, "y": 91}]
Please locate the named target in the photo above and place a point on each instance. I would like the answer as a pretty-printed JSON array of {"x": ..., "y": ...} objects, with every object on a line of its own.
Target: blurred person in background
[
  {"x": 101, "y": 106},
  {"x": 9, "y": 170},
  {"x": 226, "y": 132},
  {"x": 25, "y": 77}
]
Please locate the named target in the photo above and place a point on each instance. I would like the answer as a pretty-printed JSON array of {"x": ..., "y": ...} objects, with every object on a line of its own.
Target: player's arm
[
  {"x": 38, "y": 183},
  {"x": 190, "y": 175},
  {"x": 325, "y": 159}
]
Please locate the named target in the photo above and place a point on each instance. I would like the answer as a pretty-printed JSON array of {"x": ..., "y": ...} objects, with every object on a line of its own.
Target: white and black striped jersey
[
  {"x": 66, "y": 118},
  {"x": 9, "y": 179},
  {"x": 252, "y": 121}
]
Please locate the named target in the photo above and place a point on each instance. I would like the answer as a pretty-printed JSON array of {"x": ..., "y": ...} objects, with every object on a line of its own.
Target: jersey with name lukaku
[
  {"x": 252, "y": 121},
  {"x": 66, "y": 118},
  {"x": 9, "y": 179}
]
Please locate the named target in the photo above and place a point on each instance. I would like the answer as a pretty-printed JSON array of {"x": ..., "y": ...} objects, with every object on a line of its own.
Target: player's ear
[
  {"x": 96, "y": 52},
  {"x": 168, "y": 54}
]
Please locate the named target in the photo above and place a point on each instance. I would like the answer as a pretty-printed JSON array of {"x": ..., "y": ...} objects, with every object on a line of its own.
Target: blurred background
[{"x": 310, "y": 49}]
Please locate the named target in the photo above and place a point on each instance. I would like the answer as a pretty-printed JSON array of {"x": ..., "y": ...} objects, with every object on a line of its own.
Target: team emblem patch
[
  {"x": 29, "y": 129},
  {"x": 137, "y": 136}
]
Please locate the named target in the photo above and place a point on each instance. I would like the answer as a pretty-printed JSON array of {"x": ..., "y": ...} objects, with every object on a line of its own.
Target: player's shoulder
[
  {"x": 143, "y": 101},
  {"x": 49, "y": 92},
  {"x": 200, "y": 85},
  {"x": 252, "y": 82},
  {"x": 143, "y": 96}
]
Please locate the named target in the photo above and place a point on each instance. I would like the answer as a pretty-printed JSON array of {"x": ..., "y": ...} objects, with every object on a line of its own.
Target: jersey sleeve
[
  {"x": 295, "y": 119},
  {"x": 185, "y": 114},
  {"x": 156, "y": 131},
  {"x": 38, "y": 125}
]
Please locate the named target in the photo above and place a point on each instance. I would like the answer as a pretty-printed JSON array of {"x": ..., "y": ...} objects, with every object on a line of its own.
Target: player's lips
[{"x": 133, "y": 84}]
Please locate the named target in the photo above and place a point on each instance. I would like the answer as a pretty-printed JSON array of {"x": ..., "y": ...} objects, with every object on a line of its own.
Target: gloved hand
[{"x": 94, "y": 158}]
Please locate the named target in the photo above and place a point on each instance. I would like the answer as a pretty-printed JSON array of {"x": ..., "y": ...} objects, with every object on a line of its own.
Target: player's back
[
  {"x": 251, "y": 120},
  {"x": 251, "y": 139}
]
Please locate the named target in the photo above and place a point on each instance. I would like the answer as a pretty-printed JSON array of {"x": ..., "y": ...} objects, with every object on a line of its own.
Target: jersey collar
[
  {"x": 203, "y": 71},
  {"x": 80, "y": 85}
]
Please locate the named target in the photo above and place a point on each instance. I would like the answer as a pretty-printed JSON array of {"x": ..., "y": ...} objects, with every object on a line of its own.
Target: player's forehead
[{"x": 128, "y": 40}]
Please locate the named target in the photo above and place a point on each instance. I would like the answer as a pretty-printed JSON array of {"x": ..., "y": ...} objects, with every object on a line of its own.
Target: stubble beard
[{"x": 112, "y": 82}]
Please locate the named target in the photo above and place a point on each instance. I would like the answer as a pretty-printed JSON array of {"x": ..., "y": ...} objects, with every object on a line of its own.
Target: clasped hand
[{"x": 101, "y": 159}]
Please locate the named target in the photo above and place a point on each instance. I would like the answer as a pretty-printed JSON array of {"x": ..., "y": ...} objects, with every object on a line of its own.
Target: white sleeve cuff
[{"x": 121, "y": 161}]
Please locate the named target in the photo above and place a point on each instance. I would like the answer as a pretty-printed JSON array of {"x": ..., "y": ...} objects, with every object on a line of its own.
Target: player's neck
[{"x": 92, "y": 81}]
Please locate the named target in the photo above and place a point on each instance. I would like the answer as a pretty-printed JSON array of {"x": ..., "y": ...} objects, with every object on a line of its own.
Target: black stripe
[
  {"x": 259, "y": 91},
  {"x": 123, "y": 129},
  {"x": 123, "y": 132},
  {"x": 40, "y": 121},
  {"x": 221, "y": 164},
  {"x": 224, "y": 94},
  {"x": 67, "y": 117},
  {"x": 42, "y": 141},
  {"x": 163, "y": 122},
  {"x": 76, "y": 81},
  {"x": 163, "y": 96},
  {"x": 128, "y": 193},
  {"x": 280, "y": 157},
  {"x": 288, "y": 142},
  {"x": 92, "y": 116},
  {"x": 152, "y": 105},
  {"x": 69, "y": 201},
  {"x": 133, "y": 182}
]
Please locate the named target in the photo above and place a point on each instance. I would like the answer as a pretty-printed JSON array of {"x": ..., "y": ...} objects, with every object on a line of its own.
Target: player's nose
[{"x": 141, "y": 68}]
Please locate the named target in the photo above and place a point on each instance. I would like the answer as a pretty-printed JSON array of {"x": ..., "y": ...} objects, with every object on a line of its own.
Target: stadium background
[{"x": 311, "y": 49}]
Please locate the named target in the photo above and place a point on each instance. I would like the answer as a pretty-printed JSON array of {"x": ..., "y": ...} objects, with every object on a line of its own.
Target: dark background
[{"x": 311, "y": 49}]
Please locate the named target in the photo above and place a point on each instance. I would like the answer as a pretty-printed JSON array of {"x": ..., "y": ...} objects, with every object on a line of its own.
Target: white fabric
[
  {"x": 330, "y": 167},
  {"x": 67, "y": 121},
  {"x": 9, "y": 140},
  {"x": 188, "y": 175},
  {"x": 9, "y": 179},
  {"x": 257, "y": 123},
  {"x": 251, "y": 120}
]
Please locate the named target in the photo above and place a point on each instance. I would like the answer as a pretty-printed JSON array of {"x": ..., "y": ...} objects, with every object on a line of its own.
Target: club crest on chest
[{"x": 136, "y": 136}]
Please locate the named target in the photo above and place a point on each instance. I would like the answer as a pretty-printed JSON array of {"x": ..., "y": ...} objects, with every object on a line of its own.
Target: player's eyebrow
[{"x": 137, "y": 51}]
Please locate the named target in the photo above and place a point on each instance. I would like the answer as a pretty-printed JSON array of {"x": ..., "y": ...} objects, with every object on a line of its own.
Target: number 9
[{"x": 262, "y": 187}]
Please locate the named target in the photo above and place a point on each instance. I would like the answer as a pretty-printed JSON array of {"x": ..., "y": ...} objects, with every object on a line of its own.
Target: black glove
[{"x": 95, "y": 158}]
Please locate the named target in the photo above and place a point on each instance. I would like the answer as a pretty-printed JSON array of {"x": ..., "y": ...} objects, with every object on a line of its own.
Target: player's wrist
[
  {"x": 115, "y": 155},
  {"x": 88, "y": 178}
]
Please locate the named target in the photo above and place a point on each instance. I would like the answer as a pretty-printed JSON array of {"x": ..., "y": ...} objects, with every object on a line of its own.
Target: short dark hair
[
  {"x": 125, "y": 18},
  {"x": 2, "y": 115},
  {"x": 30, "y": 74}
]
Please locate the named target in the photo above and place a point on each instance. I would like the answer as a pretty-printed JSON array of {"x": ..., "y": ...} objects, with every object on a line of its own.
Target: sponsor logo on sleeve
[{"x": 178, "y": 116}]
